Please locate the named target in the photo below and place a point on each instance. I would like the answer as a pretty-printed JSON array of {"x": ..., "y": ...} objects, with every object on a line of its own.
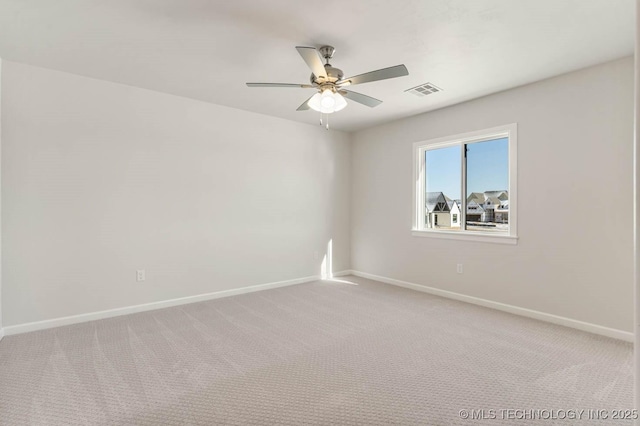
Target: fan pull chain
[{"x": 326, "y": 120}]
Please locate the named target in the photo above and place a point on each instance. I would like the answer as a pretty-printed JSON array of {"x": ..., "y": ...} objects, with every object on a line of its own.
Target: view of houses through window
[{"x": 486, "y": 187}]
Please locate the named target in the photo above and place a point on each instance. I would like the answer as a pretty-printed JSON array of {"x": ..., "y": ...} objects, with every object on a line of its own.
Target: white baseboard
[
  {"x": 92, "y": 316},
  {"x": 530, "y": 313}
]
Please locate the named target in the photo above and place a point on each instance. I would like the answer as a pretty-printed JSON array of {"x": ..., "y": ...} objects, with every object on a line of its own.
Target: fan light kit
[
  {"x": 328, "y": 102},
  {"x": 329, "y": 83}
]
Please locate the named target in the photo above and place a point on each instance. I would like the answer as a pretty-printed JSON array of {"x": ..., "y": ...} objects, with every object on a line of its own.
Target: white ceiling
[{"x": 208, "y": 49}]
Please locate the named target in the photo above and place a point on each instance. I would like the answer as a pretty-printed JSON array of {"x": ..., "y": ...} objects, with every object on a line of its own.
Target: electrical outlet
[
  {"x": 459, "y": 268},
  {"x": 140, "y": 275}
]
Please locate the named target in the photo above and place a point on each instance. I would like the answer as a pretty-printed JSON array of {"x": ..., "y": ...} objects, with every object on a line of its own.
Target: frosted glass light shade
[
  {"x": 327, "y": 102},
  {"x": 341, "y": 102},
  {"x": 314, "y": 102}
]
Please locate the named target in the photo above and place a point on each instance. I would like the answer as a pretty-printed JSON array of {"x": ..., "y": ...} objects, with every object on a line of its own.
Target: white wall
[
  {"x": 1, "y": 330},
  {"x": 101, "y": 179},
  {"x": 574, "y": 257}
]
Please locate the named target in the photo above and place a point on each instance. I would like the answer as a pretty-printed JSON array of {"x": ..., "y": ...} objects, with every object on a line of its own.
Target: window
[{"x": 465, "y": 186}]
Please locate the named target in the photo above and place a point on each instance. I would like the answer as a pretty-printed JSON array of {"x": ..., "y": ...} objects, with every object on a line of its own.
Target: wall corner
[{"x": 636, "y": 208}]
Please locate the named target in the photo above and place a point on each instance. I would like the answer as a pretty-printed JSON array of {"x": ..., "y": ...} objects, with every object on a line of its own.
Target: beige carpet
[{"x": 344, "y": 353}]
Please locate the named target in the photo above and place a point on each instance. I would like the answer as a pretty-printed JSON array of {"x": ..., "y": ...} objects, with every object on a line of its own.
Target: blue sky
[{"x": 487, "y": 168}]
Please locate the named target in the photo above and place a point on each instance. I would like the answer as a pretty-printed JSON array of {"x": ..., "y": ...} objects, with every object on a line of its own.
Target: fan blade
[
  {"x": 305, "y": 105},
  {"x": 383, "y": 74},
  {"x": 313, "y": 60},
  {"x": 303, "y": 86},
  {"x": 360, "y": 98}
]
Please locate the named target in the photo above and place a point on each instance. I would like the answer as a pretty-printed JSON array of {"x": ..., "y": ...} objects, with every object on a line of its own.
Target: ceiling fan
[{"x": 330, "y": 82}]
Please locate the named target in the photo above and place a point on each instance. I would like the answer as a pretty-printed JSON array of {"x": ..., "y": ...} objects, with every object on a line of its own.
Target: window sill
[{"x": 467, "y": 236}]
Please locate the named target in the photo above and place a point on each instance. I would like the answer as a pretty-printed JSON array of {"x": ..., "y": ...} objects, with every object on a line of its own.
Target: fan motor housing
[{"x": 333, "y": 75}]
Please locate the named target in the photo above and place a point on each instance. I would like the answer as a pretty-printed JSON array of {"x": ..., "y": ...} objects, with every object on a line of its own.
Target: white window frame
[{"x": 419, "y": 229}]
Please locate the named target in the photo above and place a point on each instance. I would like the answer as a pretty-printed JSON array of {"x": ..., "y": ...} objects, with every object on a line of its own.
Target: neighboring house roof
[
  {"x": 494, "y": 201},
  {"x": 478, "y": 197},
  {"x": 504, "y": 206},
  {"x": 489, "y": 197},
  {"x": 437, "y": 202},
  {"x": 478, "y": 201},
  {"x": 474, "y": 208},
  {"x": 502, "y": 195}
]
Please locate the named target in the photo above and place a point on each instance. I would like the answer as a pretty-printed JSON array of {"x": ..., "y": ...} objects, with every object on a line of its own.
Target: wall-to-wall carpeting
[{"x": 348, "y": 351}]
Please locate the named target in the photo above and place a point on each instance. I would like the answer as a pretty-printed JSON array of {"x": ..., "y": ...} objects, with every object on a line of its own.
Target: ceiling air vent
[{"x": 424, "y": 89}]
